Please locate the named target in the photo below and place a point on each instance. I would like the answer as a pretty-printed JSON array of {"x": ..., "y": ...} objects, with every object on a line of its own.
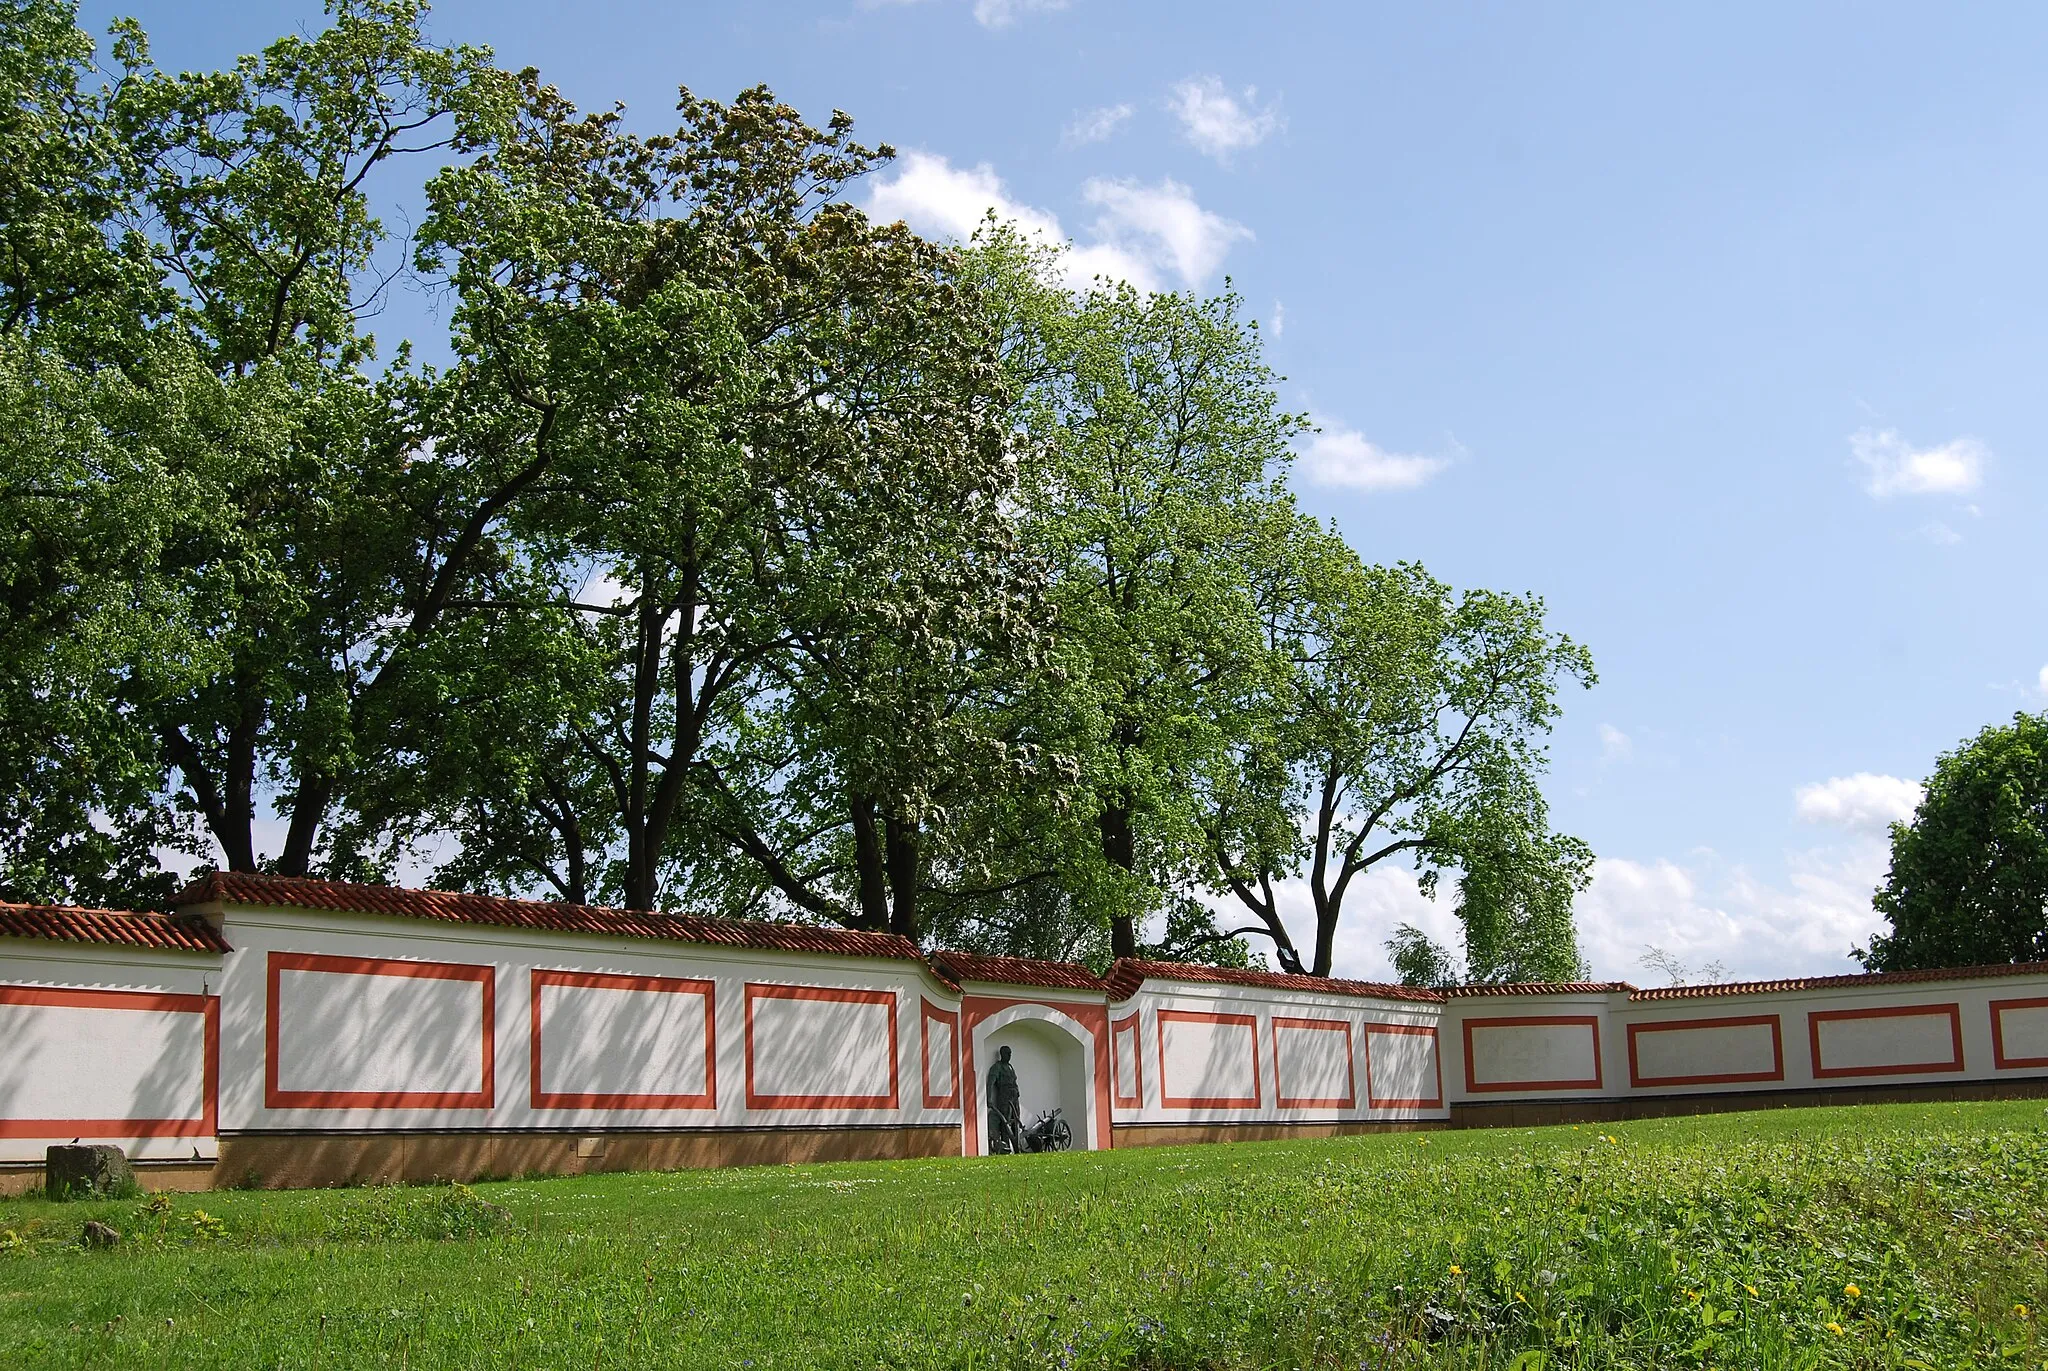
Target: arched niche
[{"x": 1055, "y": 1060}]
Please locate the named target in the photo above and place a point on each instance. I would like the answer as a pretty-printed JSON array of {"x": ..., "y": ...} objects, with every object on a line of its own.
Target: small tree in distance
[{"x": 1968, "y": 884}]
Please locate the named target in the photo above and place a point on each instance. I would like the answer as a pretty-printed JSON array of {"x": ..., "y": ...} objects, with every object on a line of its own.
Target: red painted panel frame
[
  {"x": 1999, "y": 1060},
  {"x": 930, "y": 1014},
  {"x": 1250, "y": 1021},
  {"x": 1587, "y": 1021},
  {"x": 660, "y": 985},
  {"x": 1350, "y": 1096},
  {"x": 1816, "y": 1018},
  {"x": 757, "y": 1100},
  {"x": 130, "y": 1001},
  {"x": 1372, "y": 1098},
  {"x": 276, "y": 1097},
  {"x": 1136, "y": 1099},
  {"x": 1776, "y": 1073}
]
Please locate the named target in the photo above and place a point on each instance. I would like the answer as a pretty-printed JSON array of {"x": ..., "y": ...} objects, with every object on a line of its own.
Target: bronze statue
[{"x": 1005, "y": 1124}]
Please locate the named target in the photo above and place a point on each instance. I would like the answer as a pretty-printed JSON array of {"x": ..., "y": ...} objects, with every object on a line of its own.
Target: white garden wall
[
  {"x": 107, "y": 1044},
  {"x": 339, "y": 1023}
]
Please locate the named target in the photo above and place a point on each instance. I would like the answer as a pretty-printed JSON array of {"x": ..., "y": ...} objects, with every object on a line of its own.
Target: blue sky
[{"x": 1720, "y": 327}]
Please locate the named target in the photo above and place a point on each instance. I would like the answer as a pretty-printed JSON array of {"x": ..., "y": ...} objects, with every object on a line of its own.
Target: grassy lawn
[{"x": 1909, "y": 1236}]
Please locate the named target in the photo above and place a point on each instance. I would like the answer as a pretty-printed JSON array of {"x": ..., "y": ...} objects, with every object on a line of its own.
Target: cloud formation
[
  {"x": 990, "y": 14},
  {"x": 1164, "y": 225},
  {"x": 1615, "y": 746},
  {"x": 1699, "y": 910},
  {"x": 1340, "y": 456},
  {"x": 1865, "y": 802},
  {"x": 1149, "y": 235},
  {"x": 1000, "y": 14},
  {"x": 1892, "y": 466},
  {"x": 1705, "y": 910},
  {"x": 1216, "y": 122},
  {"x": 1095, "y": 125}
]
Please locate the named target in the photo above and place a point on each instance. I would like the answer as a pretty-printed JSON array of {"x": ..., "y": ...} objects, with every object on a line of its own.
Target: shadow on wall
[
  {"x": 1052, "y": 1072},
  {"x": 109, "y": 1060},
  {"x": 377, "y": 1032}
]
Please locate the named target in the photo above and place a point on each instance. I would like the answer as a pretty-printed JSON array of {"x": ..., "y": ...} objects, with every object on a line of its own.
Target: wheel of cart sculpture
[{"x": 1049, "y": 1133}]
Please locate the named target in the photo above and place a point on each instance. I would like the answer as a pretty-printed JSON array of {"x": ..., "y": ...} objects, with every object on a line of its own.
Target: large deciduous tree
[
  {"x": 93, "y": 402},
  {"x": 1968, "y": 883},
  {"x": 340, "y": 541},
  {"x": 778, "y": 445},
  {"x": 1410, "y": 725},
  {"x": 1156, "y": 496}
]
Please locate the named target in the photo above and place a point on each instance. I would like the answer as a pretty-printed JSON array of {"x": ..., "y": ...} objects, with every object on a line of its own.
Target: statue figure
[{"x": 1005, "y": 1124}]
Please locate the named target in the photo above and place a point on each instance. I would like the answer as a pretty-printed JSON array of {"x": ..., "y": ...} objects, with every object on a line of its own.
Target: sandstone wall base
[
  {"x": 1181, "y": 1134},
  {"x": 1542, "y": 1113}
]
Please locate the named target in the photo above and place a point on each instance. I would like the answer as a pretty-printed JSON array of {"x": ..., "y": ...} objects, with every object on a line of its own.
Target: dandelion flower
[
  {"x": 1457, "y": 1270},
  {"x": 2020, "y": 1309},
  {"x": 1852, "y": 1292},
  {"x": 1751, "y": 1289},
  {"x": 1834, "y": 1328}
]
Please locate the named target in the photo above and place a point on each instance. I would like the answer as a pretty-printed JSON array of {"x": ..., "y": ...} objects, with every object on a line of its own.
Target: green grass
[{"x": 1727, "y": 1241}]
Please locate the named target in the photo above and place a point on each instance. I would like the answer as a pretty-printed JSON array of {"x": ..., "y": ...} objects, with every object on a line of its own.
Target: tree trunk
[
  {"x": 870, "y": 864},
  {"x": 902, "y": 840},
  {"x": 1120, "y": 849},
  {"x": 309, "y": 807},
  {"x": 1326, "y": 939}
]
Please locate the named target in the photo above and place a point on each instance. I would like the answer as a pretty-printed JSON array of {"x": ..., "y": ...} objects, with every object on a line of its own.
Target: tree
[
  {"x": 342, "y": 541},
  {"x": 1155, "y": 494},
  {"x": 92, "y": 403},
  {"x": 1410, "y": 725},
  {"x": 778, "y": 444},
  {"x": 1677, "y": 972},
  {"x": 1515, "y": 915},
  {"x": 1968, "y": 883}
]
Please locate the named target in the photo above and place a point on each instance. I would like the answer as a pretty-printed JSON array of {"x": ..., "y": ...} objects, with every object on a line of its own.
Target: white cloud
[
  {"x": 1164, "y": 224},
  {"x": 1214, "y": 121},
  {"x": 1279, "y": 324},
  {"x": 931, "y": 194},
  {"x": 1894, "y": 467},
  {"x": 990, "y": 14},
  {"x": 1000, "y": 14},
  {"x": 1340, "y": 456},
  {"x": 1865, "y": 801},
  {"x": 1147, "y": 235},
  {"x": 1615, "y": 746},
  {"x": 1707, "y": 910},
  {"x": 1701, "y": 910},
  {"x": 1095, "y": 125}
]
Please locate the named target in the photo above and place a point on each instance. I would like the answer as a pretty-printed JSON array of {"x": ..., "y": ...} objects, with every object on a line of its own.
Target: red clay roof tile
[
  {"x": 972, "y": 966},
  {"x": 450, "y": 907},
  {"x": 1947, "y": 973},
  {"x": 64, "y": 924},
  {"x": 1459, "y": 992},
  {"x": 1128, "y": 974}
]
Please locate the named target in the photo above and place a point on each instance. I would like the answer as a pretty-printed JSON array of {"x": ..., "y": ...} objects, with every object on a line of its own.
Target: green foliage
[
  {"x": 1405, "y": 721},
  {"x": 1154, "y": 493},
  {"x": 749, "y": 555},
  {"x": 1515, "y": 893},
  {"x": 1969, "y": 877},
  {"x": 1864, "y": 1236}
]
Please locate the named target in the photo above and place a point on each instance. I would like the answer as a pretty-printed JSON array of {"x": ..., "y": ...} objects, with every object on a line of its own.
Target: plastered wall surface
[
  {"x": 330, "y": 1044},
  {"x": 439, "y": 1030}
]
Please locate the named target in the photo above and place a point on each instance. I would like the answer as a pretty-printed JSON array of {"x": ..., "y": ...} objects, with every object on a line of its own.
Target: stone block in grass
[{"x": 86, "y": 1171}]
